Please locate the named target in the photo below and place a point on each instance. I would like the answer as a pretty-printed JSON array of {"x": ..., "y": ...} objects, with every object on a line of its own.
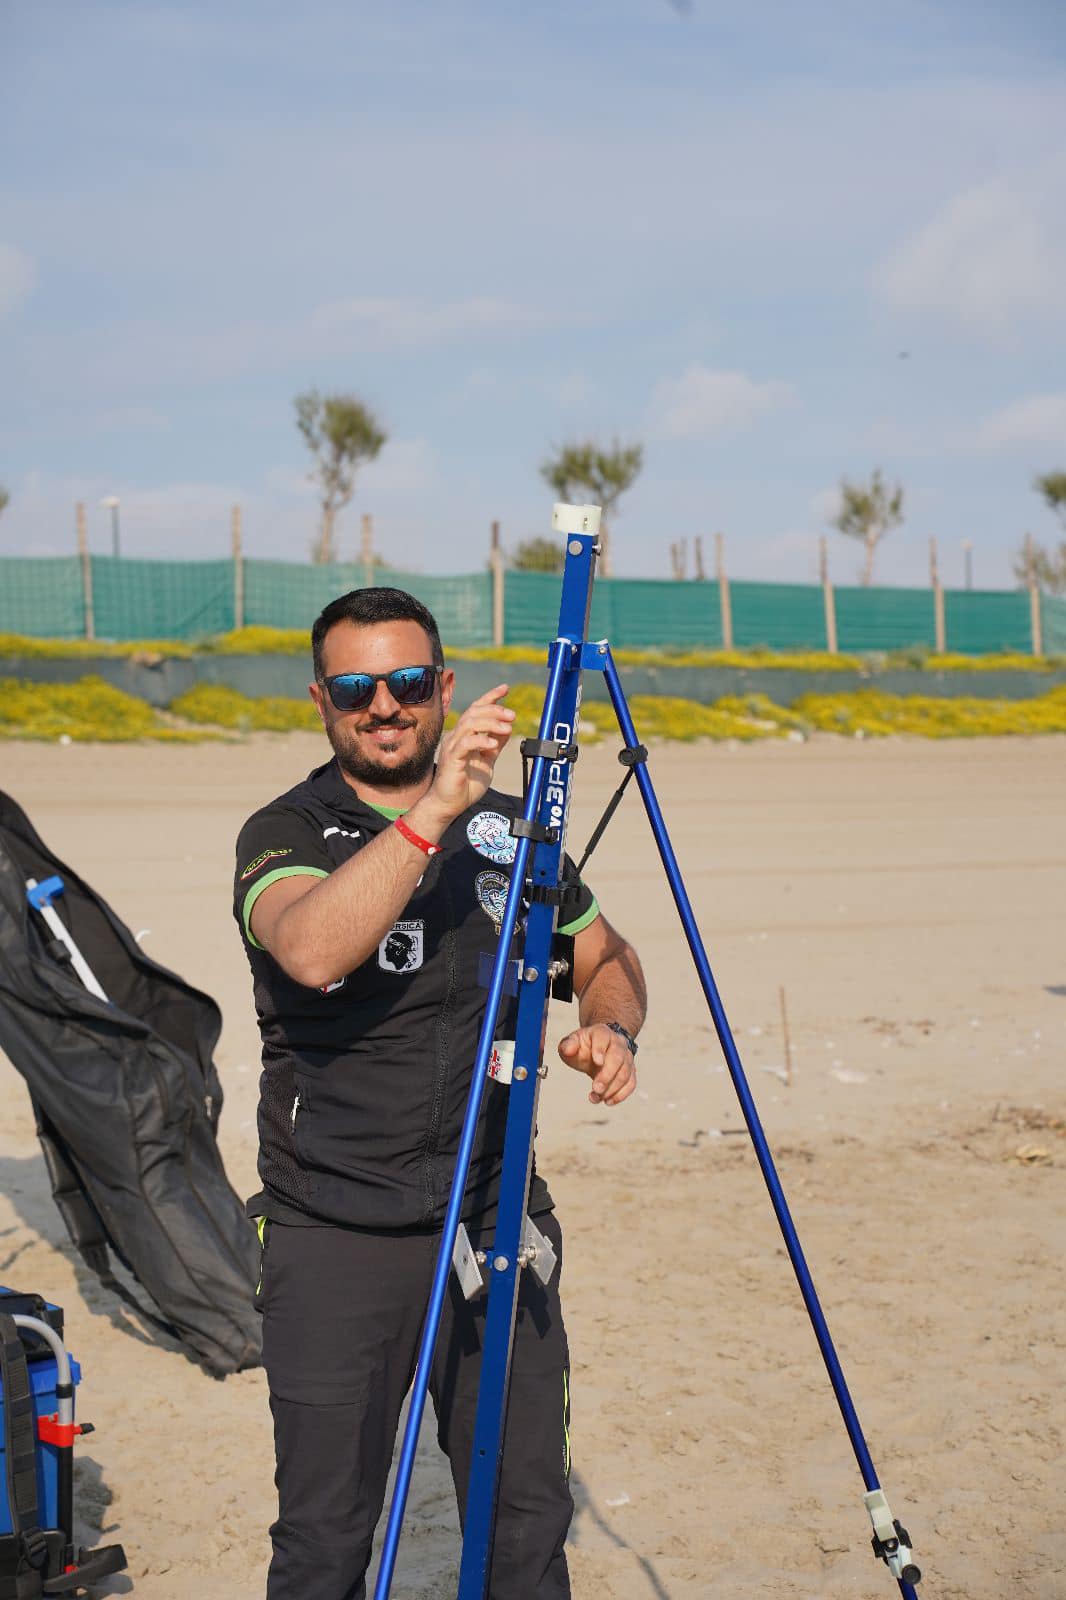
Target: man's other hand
[{"x": 603, "y": 1056}]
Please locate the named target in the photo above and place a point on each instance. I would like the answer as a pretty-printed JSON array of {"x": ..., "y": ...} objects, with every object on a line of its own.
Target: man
[{"x": 367, "y": 896}]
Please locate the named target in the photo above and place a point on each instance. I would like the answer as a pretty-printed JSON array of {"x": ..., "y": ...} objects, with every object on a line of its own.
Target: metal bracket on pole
[{"x": 891, "y": 1541}]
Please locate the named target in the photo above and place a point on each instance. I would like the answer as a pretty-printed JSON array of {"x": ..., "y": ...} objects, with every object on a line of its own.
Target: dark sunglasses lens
[
  {"x": 411, "y": 686},
  {"x": 351, "y": 691}
]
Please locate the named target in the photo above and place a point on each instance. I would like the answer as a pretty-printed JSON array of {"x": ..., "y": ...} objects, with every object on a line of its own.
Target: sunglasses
[{"x": 408, "y": 686}]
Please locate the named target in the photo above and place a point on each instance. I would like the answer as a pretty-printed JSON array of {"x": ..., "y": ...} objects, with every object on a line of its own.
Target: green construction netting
[
  {"x": 977, "y": 622},
  {"x": 161, "y": 599},
  {"x": 42, "y": 596},
  {"x": 1053, "y": 622},
  {"x": 638, "y": 613},
  {"x": 530, "y": 607},
  {"x": 884, "y": 619},
  {"x": 280, "y": 594},
  {"x": 785, "y": 616},
  {"x": 631, "y": 612},
  {"x": 193, "y": 599}
]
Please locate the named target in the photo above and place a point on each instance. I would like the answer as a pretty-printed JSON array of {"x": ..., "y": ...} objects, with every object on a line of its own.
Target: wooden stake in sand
[{"x": 784, "y": 1030}]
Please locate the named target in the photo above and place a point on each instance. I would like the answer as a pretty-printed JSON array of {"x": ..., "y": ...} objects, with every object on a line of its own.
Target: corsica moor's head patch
[
  {"x": 491, "y": 888},
  {"x": 402, "y": 949},
  {"x": 490, "y": 834},
  {"x": 261, "y": 860}
]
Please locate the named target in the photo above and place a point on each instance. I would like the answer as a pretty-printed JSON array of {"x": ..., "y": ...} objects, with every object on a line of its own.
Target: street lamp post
[
  {"x": 967, "y": 555},
  {"x": 111, "y": 502}
]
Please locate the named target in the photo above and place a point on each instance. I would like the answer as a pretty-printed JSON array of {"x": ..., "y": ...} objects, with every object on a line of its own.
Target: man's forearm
[
  {"x": 337, "y": 925},
  {"x": 615, "y": 992}
]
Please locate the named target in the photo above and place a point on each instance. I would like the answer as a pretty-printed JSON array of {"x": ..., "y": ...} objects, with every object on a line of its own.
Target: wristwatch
[{"x": 623, "y": 1033}]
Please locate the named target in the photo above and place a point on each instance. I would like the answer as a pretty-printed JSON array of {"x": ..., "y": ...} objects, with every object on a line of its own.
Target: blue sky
[{"x": 506, "y": 225}]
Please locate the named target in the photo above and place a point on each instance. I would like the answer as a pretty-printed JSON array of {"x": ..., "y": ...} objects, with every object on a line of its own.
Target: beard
[{"x": 367, "y": 768}]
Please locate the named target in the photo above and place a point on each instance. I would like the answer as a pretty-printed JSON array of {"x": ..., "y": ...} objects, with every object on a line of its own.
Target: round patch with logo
[
  {"x": 491, "y": 891},
  {"x": 490, "y": 834}
]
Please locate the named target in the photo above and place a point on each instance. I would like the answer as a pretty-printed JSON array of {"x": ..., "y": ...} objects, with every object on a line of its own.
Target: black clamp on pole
[
  {"x": 537, "y": 831},
  {"x": 550, "y": 749}
]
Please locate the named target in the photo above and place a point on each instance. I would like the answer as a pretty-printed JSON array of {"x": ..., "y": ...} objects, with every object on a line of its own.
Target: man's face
[{"x": 387, "y": 745}]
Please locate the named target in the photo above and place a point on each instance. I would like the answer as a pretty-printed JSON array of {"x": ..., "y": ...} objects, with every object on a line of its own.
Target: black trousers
[{"x": 342, "y": 1317}]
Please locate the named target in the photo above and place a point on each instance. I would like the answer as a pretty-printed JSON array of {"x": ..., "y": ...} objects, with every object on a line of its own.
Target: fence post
[
  {"x": 366, "y": 527},
  {"x": 236, "y": 543},
  {"x": 938, "y": 600},
  {"x": 723, "y": 592},
  {"x": 86, "y": 570},
  {"x": 701, "y": 572},
  {"x": 496, "y": 564},
  {"x": 1036, "y": 621},
  {"x": 829, "y": 601}
]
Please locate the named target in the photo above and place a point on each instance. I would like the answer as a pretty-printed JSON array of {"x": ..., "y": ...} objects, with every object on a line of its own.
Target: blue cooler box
[{"x": 43, "y": 1381}]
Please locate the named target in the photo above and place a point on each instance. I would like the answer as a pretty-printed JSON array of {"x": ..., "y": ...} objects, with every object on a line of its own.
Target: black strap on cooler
[{"x": 20, "y": 1446}]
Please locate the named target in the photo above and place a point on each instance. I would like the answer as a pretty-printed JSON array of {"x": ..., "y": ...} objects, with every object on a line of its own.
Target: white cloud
[
  {"x": 385, "y": 322},
  {"x": 995, "y": 255},
  {"x": 16, "y": 277},
  {"x": 825, "y": 505},
  {"x": 702, "y": 402},
  {"x": 1039, "y": 419},
  {"x": 403, "y": 467}
]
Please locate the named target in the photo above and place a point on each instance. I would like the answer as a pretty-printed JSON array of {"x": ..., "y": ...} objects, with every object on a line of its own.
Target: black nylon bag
[{"x": 127, "y": 1101}]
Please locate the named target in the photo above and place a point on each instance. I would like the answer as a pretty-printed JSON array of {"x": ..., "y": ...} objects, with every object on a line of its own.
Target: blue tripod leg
[{"x": 890, "y": 1541}]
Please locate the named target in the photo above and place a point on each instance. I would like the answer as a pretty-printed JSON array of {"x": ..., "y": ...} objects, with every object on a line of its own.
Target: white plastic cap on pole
[{"x": 575, "y": 519}]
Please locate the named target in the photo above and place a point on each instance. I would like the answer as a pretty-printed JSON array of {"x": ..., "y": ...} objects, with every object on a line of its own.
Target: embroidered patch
[
  {"x": 402, "y": 949},
  {"x": 490, "y": 834},
  {"x": 261, "y": 860},
  {"x": 491, "y": 891},
  {"x": 328, "y": 988}
]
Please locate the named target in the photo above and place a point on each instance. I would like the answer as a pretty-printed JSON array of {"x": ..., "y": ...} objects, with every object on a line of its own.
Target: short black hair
[{"x": 366, "y": 608}]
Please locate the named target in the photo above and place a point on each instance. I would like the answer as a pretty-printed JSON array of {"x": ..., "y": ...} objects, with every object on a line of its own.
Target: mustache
[{"x": 378, "y": 723}]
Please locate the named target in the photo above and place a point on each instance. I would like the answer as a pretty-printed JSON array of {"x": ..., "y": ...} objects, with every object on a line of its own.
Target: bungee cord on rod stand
[{"x": 540, "y": 838}]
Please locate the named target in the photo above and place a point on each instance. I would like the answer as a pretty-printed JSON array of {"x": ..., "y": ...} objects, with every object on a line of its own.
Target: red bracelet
[{"x": 416, "y": 839}]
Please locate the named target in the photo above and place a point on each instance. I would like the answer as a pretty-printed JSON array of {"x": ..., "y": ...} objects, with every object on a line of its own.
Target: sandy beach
[{"x": 908, "y": 897}]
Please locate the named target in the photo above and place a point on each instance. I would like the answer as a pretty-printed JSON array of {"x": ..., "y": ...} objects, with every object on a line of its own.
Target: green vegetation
[
  {"x": 92, "y": 710},
  {"x": 867, "y": 512},
  {"x": 583, "y": 471},
  {"x": 870, "y": 713},
  {"x": 215, "y": 704},
  {"x": 294, "y": 642},
  {"x": 89, "y": 710},
  {"x": 341, "y": 433}
]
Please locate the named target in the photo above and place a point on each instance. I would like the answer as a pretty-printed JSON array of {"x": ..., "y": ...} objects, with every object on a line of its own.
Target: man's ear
[
  {"x": 315, "y": 691},
  {"x": 447, "y": 688}
]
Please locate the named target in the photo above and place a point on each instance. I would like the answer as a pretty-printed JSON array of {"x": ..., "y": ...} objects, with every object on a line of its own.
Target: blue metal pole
[
  {"x": 744, "y": 1094},
  {"x": 559, "y": 660},
  {"x": 505, "y": 1273}
]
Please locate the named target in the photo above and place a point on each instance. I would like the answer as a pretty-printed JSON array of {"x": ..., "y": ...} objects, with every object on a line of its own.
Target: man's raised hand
[{"x": 468, "y": 754}]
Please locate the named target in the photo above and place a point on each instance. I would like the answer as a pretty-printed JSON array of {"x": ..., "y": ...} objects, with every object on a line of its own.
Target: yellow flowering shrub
[
  {"x": 93, "y": 710},
  {"x": 215, "y": 703},
  {"x": 871, "y": 713},
  {"x": 87, "y": 710}
]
